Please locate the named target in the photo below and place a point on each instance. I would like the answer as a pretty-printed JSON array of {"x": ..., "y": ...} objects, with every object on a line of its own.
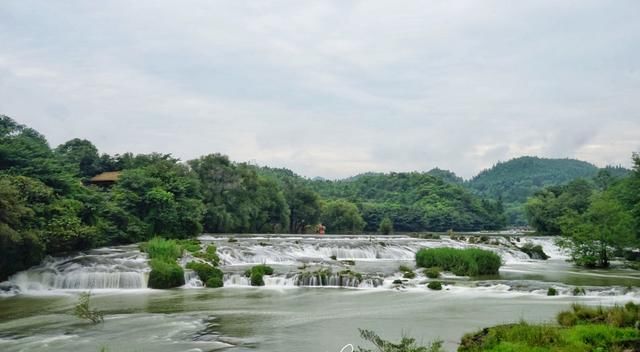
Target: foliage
[
  {"x": 435, "y": 285},
  {"x": 517, "y": 179},
  {"x": 413, "y": 202},
  {"x": 592, "y": 237},
  {"x": 162, "y": 249},
  {"x": 83, "y": 311},
  {"x": 618, "y": 316},
  {"x": 462, "y": 262},
  {"x": 209, "y": 254},
  {"x": 207, "y": 273},
  {"x": 582, "y": 329},
  {"x": 237, "y": 198},
  {"x": 340, "y": 216},
  {"x": 386, "y": 226},
  {"x": 432, "y": 273},
  {"x": 165, "y": 274},
  {"x": 552, "y": 291},
  {"x": 406, "y": 344},
  {"x": 534, "y": 251},
  {"x": 546, "y": 208},
  {"x": 257, "y": 272}
]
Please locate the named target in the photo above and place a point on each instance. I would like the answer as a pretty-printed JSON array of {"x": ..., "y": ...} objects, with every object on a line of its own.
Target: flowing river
[{"x": 314, "y": 301}]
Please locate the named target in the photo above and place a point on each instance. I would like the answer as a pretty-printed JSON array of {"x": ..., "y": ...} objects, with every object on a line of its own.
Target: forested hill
[
  {"x": 515, "y": 180},
  {"x": 414, "y": 201}
]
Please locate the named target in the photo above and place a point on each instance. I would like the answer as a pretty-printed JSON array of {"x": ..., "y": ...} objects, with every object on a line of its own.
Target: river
[{"x": 297, "y": 309}]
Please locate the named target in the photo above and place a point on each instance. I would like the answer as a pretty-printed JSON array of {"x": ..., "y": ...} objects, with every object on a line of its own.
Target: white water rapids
[{"x": 362, "y": 261}]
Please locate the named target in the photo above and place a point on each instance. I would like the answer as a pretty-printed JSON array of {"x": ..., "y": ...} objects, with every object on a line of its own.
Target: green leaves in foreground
[
  {"x": 83, "y": 311},
  {"x": 406, "y": 344}
]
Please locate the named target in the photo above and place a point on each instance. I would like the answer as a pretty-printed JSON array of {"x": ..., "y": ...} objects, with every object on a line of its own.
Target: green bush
[
  {"x": 435, "y": 285},
  {"x": 404, "y": 268},
  {"x": 215, "y": 282},
  {"x": 191, "y": 245},
  {"x": 552, "y": 292},
  {"x": 257, "y": 272},
  {"x": 534, "y": 251},
  {"x": 209, "y": 254},
  {"x": 206, "y": 272},
  {"x": 162, "y": 249},
  {"x": 432, "y": 273},
  {"x": 462, "y": 262},
  {"x": 579, "y": 291},
  {"x": 618, "y": 316},
  {"x": 165, "y": 274},
  {"x": 409, "y": 275}
]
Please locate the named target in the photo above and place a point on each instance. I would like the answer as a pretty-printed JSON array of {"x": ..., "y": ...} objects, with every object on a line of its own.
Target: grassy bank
[
  {"x": 165, "y": 271},
  {"x": 580, "y": 329}
]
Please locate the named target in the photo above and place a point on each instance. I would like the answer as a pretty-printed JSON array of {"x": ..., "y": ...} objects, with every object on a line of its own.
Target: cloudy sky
[{"x": 330, "y": 88}]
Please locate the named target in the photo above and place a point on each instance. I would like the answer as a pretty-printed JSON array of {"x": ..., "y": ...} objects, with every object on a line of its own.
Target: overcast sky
[{"x": 330, "y": 88}]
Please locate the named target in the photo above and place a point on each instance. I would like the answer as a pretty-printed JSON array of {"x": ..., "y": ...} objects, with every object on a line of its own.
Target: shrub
[
  {"x": 409, "y": 275},
  {"x": 534, "y": 251},
  {"x": 406, "y": 344},
  {"x": 386, "y": 226},
  {"x": 404, "y": 268},
  {"x": 432, "y": 273},
  {"x": 162, "y": 249},
  {"x": 435, "y": 285},
  {"x": 552, "y": 292},
  {"x": 191, "y": 245},
  {"x": 215, "y": 282},
  {"x": 257, "y": 272},
  {"x": 617, "y": 316},
  {"x": 579, "y": 291},
  {"x": 165, "y": 274},
  {"x": 206, "y": 272},
  {"x": 462, "y": 262},
  {"x": 209, "y": 254}
]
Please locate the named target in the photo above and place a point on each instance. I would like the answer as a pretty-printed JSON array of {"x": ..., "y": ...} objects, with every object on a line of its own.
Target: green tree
[
  {"x": 81, "y": 156},
  {"x": 386, "y": 226},
  {"x": 591, "y": 237},
  {"x": 162, "y": 199},
  {"x": 340, "y": 216},
  {"x": 304, "y": 206},
  {"x": 545, "y": 209},
  {"x": 21, "y": 247}
]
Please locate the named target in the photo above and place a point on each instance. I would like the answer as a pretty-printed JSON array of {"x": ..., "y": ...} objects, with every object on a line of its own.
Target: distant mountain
[{"x": 515, "y": 180}]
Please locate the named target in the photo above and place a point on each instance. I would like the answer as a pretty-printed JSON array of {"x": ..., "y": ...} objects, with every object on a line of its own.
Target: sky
[{"x": 330, "y": 88}]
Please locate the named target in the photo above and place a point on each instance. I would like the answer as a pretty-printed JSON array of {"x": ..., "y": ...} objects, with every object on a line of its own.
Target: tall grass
[
  {"x": 582, "y": 329},
  {"x": 163, "y": 249},
  {"x": 462, "y": 262}
]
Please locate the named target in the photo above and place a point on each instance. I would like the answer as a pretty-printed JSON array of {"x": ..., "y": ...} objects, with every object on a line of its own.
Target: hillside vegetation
[{"x": 515, "y": 180}]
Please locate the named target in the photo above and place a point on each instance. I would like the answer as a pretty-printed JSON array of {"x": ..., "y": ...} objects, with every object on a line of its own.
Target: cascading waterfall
[
  {"x": 122, "y": 267},
  {"x": 300, "y": 261}
]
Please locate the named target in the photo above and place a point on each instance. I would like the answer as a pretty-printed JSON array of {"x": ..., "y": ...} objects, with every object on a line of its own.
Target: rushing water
[{"x": 312, "y": 302}]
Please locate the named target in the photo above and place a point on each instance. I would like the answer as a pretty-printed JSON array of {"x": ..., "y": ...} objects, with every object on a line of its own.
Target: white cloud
[{"x": 330, "y": 88}]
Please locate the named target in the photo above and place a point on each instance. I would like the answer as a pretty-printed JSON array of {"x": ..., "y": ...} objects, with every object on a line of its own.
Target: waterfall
[{"x": 122, "y": 267}]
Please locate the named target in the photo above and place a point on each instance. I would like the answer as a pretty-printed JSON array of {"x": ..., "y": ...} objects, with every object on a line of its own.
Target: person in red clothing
[{"x": 321, "y": 229}]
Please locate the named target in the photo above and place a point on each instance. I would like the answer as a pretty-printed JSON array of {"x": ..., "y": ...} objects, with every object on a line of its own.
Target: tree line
[{"x": 48, "y": 205}]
